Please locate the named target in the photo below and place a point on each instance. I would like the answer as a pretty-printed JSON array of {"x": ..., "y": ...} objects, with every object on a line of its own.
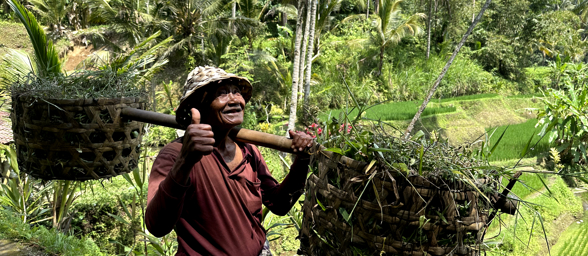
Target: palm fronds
[
  {"x": 46, "y": 57},
  {"x": 17, "y": 65}
]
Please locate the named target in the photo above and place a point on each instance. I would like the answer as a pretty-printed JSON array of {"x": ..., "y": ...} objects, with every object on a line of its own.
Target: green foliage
[
  {"x": 159, "y": 136},
  {"x": 524, "y": 234},
  {"x": 249, "y": 118},
  {"x": 46, "y": 57},
  {"x": 563, "y": 120},
  {"x": 51, "y": 241},
  {"x": 22, "y": 195}
]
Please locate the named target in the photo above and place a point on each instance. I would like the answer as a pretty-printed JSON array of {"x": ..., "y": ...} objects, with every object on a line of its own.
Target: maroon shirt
[{"x": 219, "y": 213}]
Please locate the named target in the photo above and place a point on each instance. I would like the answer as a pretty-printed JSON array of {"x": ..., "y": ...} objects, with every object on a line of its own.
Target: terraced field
[{"x": 574, "y": 241}]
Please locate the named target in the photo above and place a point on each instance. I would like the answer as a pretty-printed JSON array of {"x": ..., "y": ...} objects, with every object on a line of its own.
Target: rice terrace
[{"x": 309, "y": 127}]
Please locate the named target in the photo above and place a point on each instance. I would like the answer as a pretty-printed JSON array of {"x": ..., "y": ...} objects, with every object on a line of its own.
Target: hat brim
[{"x": 197, "y": 97}]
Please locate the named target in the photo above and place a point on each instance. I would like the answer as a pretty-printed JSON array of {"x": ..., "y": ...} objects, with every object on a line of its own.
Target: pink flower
[{"x": 319, "y": 131}]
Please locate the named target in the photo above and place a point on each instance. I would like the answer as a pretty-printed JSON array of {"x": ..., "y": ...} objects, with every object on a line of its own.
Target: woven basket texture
[
  {"x": 393, "y": 227},
  {"x": 79, "y": 139}
]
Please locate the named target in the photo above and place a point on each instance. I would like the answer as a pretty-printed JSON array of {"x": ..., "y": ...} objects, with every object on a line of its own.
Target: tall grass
[
  {"x": 523, "y": 234},
  {"x": 515, "y": 139},
  {"x": 392, "y": 111}
]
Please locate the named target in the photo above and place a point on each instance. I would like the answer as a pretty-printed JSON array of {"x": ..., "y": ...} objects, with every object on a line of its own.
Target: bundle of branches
[{"x": 372, "y": 192}]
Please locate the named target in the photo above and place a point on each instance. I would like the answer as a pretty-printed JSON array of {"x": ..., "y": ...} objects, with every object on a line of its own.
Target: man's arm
[
  {"x": 280, "y": 197},
  {"x": 170, "y": 176},
  {"x": 165, "y": 196}
]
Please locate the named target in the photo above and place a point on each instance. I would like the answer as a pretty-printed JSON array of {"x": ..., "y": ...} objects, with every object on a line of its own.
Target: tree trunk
[
  {"x": 233, "y": 15},
  {"x": 367, "y": 10},
  {"x": 473, "y": 10},
  {"x": 284, "y": 19},
  {"x": 429, "y": 28},
  {"x": 309, "y": 57},
  {"x": 447, "y": 65},
  {"x": 381, "y": 60},
  {"x": 202, "y": 48},
  {"x": 376, "y": 6},
  {"x": 296, "y": 68},
  {"x": 303, "y": 54}
]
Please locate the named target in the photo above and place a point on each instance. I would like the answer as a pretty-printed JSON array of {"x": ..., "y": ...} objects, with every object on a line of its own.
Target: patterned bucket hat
[{"x": 198, "y": 83}]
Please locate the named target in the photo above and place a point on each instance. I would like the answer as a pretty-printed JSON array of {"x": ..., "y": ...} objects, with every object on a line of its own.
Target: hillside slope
[{"x": 473, "y": 117}]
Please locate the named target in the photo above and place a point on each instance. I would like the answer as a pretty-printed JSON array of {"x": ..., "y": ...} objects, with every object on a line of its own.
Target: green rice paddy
[
  {"x": 515, "y": 140},
  {"x": 406, "y": 110},
  {"x": 392, "y": 111},
  {"x": 574, "y": 241}
]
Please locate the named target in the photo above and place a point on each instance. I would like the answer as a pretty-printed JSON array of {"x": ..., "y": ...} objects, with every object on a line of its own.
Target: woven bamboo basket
[
  {"x": 78, "y": 139},
  {"x": 424, "y": 218}
]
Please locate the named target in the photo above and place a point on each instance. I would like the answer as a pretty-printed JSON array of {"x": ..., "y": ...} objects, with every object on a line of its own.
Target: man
[{"x": 210, "y": 188}]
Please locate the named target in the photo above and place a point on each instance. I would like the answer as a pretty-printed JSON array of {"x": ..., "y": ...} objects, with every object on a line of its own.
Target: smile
[{"x": 232, "y": 110}]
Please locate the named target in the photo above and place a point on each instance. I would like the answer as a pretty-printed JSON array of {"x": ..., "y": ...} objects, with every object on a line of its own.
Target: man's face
[{"x": 227, "y": 107}]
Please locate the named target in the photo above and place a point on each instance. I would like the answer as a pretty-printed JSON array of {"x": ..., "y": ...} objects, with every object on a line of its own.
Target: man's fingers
[
  {"x": 195, "y": 116},
  {"x": 205, "y": 149},
  {"x": 203, "y": 141},
  {"x": 206, "y": 127}
]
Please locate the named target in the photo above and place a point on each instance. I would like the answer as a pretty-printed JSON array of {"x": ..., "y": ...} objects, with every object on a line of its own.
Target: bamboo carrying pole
[
  {"x": 265, "y": 140},
  {"x": 239, "y": 134}
]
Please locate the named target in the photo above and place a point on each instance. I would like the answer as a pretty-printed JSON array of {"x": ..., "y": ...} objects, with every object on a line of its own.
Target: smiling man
[{"x": 209, "y": 188}]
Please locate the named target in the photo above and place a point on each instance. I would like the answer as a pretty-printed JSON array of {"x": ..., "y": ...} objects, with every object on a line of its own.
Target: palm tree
[
  {"x": 296, "y": 70},
  {"x": 248, "y": 10},
  {"x": 52, "y": 11},
  {"x": 310, "y": 54},
  {"x": 391, "y": 27}
]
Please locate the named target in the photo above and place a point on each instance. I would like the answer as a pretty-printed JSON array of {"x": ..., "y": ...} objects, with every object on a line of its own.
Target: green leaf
[
  {"x": 118, "y": 218},
  {"x": 335, "y": 150},
  {"x": 138, "y": 179},
  {"x": 402, "y": 167},
  {"x": 128, "y": 178},
  {"x": 344, "y": 214},
  {"x": 321, "y": 205},
  {"x": 497, "y": 142},
  {"x": 46, "y": 57},
  {"x": 418, "y": 135},
  {"x": 524, "y": 153},
  {"x": 546, "y": 187},
  {"x": 421, "y": 152}
]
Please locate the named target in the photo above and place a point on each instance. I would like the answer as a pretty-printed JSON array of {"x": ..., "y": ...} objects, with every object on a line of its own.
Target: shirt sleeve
[
  {"x": 280, "y": 197},
  {"x": 165, "y": 197}
]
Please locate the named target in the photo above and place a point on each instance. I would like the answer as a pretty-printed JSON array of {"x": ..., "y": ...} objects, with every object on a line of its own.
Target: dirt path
[
  {"x": 11, "y": 248},
  {"x": 75, "y": 57}
]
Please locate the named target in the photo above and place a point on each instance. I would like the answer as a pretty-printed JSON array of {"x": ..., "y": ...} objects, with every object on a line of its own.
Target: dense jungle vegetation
[{"x": 522, "y": 70}]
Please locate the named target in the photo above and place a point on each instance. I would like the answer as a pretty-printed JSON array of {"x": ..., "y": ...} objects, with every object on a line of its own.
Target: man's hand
[
  {"x": 198, "y": 139},
  {"x": 198, "y": 142},
  {"x": 300, "y": 141}
]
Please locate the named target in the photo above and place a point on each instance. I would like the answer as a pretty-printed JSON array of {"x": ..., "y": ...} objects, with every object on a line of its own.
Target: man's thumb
[{"x": 195, "y": 116}]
